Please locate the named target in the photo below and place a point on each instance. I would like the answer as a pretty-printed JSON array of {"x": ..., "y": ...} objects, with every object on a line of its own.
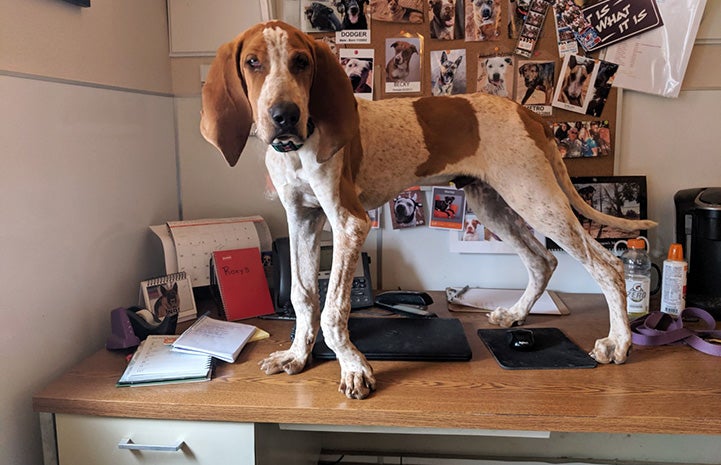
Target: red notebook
[{"x": 242, "y": 284}]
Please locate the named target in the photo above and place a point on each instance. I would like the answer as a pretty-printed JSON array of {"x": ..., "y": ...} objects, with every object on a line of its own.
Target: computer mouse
[{"x": 520, "y": 339}]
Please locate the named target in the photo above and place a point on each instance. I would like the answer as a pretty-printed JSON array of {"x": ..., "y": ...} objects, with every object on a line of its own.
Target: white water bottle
[
  {"x": 637, "y": 272},
  {"x": 673, "y": 287}
]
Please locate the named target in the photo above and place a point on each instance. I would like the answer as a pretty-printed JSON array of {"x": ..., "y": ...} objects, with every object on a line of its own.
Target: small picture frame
[
  {"x": 621, "y": 196},
  {"x": 169, "y": 294}
]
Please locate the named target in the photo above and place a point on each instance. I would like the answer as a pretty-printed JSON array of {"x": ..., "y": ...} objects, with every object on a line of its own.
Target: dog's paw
[
  {"x": 609, "y": 350},
  {"x": 284, "y": 360},
  {"x": 357, "y": 385},
  {"x": 505, "y": 318}
]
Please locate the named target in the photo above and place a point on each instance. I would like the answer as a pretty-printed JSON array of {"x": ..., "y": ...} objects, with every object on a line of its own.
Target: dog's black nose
[{"x": 285, "y": 115}]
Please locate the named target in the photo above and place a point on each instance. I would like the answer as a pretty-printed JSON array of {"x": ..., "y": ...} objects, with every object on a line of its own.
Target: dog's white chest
[{"x": 300, "y": 174}]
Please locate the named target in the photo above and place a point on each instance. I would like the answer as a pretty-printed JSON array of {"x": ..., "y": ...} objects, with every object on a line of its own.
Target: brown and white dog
[{"x": 332, "y": 157}]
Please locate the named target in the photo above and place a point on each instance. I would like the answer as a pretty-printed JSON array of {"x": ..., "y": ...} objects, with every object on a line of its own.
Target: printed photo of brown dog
[
  {"x": 535, "y": 82},
  {"x": 442, "y": 19},
  {"x": 483, "y": 20},
  {"x": 397, "y": 11}
]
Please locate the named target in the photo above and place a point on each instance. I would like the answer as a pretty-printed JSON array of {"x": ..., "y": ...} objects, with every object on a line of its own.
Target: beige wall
[
  {"x": 87, "y": 125},
  {"x": 121, "y": 43}
]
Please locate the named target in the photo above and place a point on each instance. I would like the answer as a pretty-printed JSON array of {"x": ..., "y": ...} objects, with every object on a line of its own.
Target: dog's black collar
[{"x": 290, "y": 146}]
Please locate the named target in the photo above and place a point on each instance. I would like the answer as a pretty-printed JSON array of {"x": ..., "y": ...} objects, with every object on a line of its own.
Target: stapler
[{"x": 408, "y": 302}]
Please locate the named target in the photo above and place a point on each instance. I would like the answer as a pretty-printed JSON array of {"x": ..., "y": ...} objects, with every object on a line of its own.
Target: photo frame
[
  {"x": 165, "y": 295},
  {"x": 622, "y": 196}
]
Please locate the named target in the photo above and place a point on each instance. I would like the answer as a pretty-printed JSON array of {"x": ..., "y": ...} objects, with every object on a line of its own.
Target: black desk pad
[
  {"x": 552, "y": 350},
  {"x": 409, "y": 339}
]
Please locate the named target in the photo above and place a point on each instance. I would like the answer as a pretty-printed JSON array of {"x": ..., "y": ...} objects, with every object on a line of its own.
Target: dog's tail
[{"x": 582, "y": 207}]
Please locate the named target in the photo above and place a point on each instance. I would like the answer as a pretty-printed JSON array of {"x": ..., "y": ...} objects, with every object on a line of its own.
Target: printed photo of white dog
[
  {"x": 448, "y": 72},
  {"x": 495, "y": 75},
  {"x": 407, "y": 209},
  {"x": 358, "y": 66}
]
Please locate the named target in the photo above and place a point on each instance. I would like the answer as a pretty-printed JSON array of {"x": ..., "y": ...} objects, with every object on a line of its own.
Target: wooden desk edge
[{"x": 66, "y": 395}]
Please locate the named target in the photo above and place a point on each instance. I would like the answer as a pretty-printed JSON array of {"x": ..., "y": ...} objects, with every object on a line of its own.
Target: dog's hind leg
[
  {"x": 495, "y": 213},
  {"x": 304, "y": 227},
  {"x": 552, "y": 216}
]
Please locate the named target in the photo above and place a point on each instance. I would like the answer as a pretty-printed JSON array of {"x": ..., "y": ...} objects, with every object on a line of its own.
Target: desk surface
[{"x": 673, "y": 390}]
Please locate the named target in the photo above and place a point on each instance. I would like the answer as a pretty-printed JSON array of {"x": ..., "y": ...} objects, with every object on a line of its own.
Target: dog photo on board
[
  {"x": 577, "y": 74},
  {"x": 397, "y": 11},
  {"x": 448, "y": 72},
  {"x": 403, "y": 64},
  {"x": 535, "y": 85},
  {"x": 442, "y": 19},
  {"x": 495, "y": 75},
  {"x": 517, "y": 11},
  {"x": 320, "y": 16},
  {"x": 354, "y": 14},
  {"x": 483, "y": 20},
  {"x": 358, "y": 66},
  {"x": 407, "y": 209}
]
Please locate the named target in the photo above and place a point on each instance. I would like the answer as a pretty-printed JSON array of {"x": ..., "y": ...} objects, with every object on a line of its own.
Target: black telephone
[{"x": 361, "y": 294}]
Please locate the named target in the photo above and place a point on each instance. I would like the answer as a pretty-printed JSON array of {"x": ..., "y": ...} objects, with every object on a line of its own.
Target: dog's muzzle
[
  {"x": 285, "y": 117},
  {"x": 289, "y": 145}
]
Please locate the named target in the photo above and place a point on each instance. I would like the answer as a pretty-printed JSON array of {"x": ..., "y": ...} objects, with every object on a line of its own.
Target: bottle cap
[
  {"x": 636, "y": 244},
  {"x": 675, "y": 252}
]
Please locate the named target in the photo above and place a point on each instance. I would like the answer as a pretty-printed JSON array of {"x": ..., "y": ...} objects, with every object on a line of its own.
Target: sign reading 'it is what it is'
[{"x": 616, "y": 20}]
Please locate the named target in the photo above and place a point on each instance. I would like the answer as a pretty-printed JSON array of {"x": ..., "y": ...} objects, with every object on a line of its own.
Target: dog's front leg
[
  {"x": 304, "y": 226},
  {"x": 349, "y": 233}
]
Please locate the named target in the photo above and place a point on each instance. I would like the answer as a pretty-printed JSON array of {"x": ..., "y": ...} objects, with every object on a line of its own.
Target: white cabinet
[{"x": 104, "y": 440}]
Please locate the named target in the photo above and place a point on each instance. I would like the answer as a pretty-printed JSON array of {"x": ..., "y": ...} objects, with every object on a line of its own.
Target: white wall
[{"x": 85, "y": 169}]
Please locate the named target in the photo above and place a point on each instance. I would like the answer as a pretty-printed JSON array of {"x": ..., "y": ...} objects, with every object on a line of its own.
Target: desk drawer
[{"x": 119, "y": 441}]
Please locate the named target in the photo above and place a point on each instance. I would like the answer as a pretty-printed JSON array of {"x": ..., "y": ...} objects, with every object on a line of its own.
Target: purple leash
[{"x": 657, "y": 328}]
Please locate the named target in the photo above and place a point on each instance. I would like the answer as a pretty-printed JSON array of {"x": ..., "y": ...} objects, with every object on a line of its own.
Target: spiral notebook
[{"x": 156, "y": 363}]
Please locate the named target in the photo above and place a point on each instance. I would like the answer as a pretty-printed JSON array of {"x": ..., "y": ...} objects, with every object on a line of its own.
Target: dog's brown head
[{"x": 288, "y": 83}]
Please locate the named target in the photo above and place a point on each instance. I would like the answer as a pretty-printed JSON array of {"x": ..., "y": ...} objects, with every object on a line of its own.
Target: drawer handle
[{"x": 127, "y": 443}]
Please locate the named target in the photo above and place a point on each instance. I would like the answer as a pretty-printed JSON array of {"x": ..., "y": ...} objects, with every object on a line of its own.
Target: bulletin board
[{"x": 546, "y": 49}]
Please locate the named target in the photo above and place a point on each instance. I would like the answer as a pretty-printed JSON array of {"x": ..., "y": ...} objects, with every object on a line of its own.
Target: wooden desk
[{"x": 659, "y": 391}]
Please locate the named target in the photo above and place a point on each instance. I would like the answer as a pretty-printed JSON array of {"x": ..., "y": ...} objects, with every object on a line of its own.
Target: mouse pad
[
  {"x": 409, "y": 339},
  {"x": 552, "y": 350}
]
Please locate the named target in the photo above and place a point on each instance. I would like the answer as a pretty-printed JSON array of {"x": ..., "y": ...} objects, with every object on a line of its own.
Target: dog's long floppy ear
[
  {"x": 333, "y": 107},
  {"x": 226, "y": 115}
]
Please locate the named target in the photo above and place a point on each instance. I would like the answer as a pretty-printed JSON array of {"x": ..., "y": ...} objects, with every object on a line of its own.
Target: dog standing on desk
[{"x": 332, "y": 157}]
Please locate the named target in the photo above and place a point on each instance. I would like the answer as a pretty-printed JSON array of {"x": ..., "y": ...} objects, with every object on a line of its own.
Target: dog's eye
[
  {"x": 300, "y": 62},
  {"x": 253, "y": 62}
]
